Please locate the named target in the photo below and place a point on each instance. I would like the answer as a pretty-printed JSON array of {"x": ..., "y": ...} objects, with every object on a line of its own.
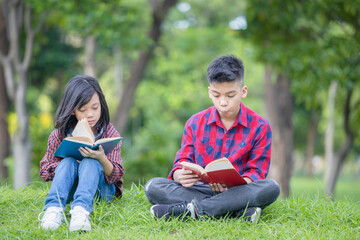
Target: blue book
[
  {"x": 82, "y": 136},
  {"x": 69, "y": 147}
]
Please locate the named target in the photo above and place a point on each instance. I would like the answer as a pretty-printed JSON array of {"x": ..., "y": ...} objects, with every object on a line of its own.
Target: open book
[
  {"x": 218, "y": 171},
  {"x": 82, "y": 136}
]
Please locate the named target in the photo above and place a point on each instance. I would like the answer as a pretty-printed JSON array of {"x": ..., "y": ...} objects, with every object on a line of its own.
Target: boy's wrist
[{"x": 248, "y": 180}]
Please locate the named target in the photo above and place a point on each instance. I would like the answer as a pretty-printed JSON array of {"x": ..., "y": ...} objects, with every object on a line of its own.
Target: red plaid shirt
[
  {"x": 247, "y": 144},
  {"x": 50, "y": 162}
]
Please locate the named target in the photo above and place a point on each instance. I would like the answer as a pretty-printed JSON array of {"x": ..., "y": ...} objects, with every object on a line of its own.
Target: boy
[{"x": 227, "y": 129}]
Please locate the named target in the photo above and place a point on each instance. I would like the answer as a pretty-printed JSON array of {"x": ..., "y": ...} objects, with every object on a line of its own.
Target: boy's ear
[
  {"x": 209, "y": 91},
  {"x": 244, "y": 92}
]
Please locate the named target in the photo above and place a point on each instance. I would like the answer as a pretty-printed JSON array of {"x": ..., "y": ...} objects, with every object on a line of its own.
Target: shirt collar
[{"x": 241, "y": 119}]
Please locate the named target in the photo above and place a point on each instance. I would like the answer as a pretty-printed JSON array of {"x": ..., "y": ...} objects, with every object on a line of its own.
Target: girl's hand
[
  {"x": 218, "y": 188},
  {"x": 185, "y": 177},
  {"x": 95, "y": 154},
  {"x": 100, "y": 156}
]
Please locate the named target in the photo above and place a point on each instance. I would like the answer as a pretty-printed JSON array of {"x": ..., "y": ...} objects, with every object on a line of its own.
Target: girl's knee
[
  {"x": 91, "y": 162},
  {"x": 68, "y": 162}
]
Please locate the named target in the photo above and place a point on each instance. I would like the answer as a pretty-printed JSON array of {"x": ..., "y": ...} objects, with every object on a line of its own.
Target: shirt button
[{"x": 227, "y": 135}]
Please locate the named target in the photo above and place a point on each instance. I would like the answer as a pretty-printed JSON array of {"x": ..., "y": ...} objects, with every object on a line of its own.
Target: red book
[{"x": 218, "y": 171}]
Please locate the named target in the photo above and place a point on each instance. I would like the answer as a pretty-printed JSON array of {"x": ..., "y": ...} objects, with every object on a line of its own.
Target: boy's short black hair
[{"x": 226, "y": 68}]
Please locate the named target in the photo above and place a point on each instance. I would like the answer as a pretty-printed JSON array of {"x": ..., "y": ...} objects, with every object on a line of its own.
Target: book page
[
  {"x": 192, "y": 166},
  {"x": 83, "y": 129},
  {"x": 102, "y": 140},
  {"x": 80, "y": 140},
  {"x": 219, "y": 164}
]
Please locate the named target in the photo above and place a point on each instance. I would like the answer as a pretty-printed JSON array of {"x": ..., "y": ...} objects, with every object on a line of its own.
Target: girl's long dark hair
[{"x": 79, "y": 92}]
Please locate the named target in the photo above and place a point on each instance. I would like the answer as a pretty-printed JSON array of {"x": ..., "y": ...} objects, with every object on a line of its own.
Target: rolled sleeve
[
  {"x": 115, "y": 158},
  {"x": 118, "y": 170}
]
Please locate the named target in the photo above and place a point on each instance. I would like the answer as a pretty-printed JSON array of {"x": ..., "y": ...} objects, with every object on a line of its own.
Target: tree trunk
[
  {"x": 159, "y": 11},
  {"x": 16, "y": 68},
  {"x": 329, "y": 134},
  {"x": 118, "y": 71},
  {"x": 90, "y": 49},
  {"x": 310, "y": 145},
  {"x": 4, "y": 133},
  {"x": 22, "y": 145},
  {"x": 4, "y": 103},
  {"x": 280, "y": 107},
  {"x": 333, "y": 170}
]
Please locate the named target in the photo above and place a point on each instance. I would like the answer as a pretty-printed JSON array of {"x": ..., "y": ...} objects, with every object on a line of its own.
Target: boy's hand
[
  {"x": 185, "y": 177},
  {"x": 217, "y": 187}
]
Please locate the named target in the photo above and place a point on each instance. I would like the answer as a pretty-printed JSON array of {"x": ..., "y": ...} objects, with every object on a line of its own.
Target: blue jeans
[
  {"x": 80, "y": 183},
  {"x": 208, "y": 203}
]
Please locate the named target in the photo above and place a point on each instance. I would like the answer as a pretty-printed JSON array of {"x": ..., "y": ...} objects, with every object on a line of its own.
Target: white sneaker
[
  {"x": 79, "y": 219},
  {"x": 52, "y": 219},
  {"x": 256, "y": 216}
]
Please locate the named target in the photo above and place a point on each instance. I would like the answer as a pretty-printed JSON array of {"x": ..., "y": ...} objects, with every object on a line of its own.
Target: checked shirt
[{"x": 247, "y": 144}]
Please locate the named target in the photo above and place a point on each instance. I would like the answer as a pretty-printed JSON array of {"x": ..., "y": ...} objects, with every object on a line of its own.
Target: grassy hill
[{"x": 303, "y": 216}]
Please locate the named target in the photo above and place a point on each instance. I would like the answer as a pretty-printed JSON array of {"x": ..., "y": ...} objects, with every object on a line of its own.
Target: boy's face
[
  {"x": 226, "y": 97},
  {"x": 91, "y": 110}
]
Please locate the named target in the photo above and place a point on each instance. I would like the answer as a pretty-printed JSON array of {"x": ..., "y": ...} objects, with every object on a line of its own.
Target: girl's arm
[
  {"x": 49, "y": 162},
  {"x": 107, "y": 165}
]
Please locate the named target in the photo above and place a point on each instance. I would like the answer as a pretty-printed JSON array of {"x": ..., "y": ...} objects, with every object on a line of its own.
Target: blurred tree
[
  {"x": 174, "y": 86},
  {"x": 16, "y": 69},
  {"x": 344, "y": 40},
  {"x": 4, "y": 102},
  {"x": 159, "y": 11},
  {"x": 117, "y": 28},
  {"x": 312, "y": 43},
  {"x": 99, "y": 25},
  {"x": 54, "y": 63}
]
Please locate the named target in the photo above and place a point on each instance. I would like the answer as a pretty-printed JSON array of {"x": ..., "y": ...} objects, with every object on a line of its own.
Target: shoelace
[
  {"x": 49, "y": 214},
  {"x": 178, "y": 208},
  {"x": 79, "y": 215}
]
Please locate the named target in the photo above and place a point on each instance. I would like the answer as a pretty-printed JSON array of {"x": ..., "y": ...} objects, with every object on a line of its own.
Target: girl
[{"x": 80, "y": 181}]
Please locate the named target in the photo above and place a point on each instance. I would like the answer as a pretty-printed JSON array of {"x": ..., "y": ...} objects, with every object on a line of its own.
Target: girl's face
[{"x": 91, "y": 110}]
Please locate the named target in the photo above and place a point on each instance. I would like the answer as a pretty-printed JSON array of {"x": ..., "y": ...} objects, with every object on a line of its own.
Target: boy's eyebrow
[{"x": 231, "y": 91}]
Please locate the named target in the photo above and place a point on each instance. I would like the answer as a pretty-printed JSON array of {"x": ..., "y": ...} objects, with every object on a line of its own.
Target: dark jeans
[{"x": 256, "y": 194}]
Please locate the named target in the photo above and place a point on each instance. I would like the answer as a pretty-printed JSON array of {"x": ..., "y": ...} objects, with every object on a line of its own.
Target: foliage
[
  {"x": 118, "y": 22},
  {"x": 301, "y": 217},
  {"x": 313, "y": 43},
  {"x": 54, "y": 63},
  {"x": 174, "y": 88},
  {"x": 40, "y": 129}
]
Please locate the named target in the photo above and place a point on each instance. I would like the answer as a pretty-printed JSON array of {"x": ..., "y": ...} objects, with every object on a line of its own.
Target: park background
[
  {"x": 150, "y": 57},
  {"x": 301, "y": 68}
]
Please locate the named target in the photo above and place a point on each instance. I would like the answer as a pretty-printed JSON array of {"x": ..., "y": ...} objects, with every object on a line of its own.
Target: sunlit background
[{"x": 301, "y": 68}]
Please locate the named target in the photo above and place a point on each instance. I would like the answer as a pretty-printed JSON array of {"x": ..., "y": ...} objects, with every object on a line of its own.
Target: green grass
[
  {"x": 302, "y": 216},
  {"x": 347, "y": 188}
]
